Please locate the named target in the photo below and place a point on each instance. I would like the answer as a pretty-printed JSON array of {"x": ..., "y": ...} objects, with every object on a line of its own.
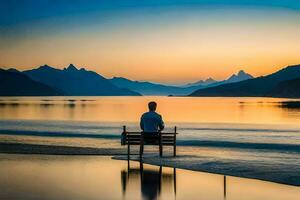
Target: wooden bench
[{"x": 141, "y": 138}]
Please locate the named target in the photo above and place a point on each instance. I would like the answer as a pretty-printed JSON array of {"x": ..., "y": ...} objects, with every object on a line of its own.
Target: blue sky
[
  {"x": 170, "y": 41},
  {"x": 20, "y": 11}
]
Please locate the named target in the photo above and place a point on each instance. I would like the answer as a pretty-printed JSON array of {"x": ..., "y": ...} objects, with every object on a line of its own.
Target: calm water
[
  {"x": 93, "y": 177},
  {"x": 259, "y": 132},
  {"x": 240, "y": 121}
]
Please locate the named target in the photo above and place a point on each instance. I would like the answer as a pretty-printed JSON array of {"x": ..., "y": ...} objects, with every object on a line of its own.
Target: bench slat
[
  {"x": 149, "y": 136},
  {"x": 138, "y": 139},
  {"x": 160, "y": 139},
  {"x": 154, "y": 144},
  {"x": 163, "y": 140},
  {"x": 139, "y": 133}
]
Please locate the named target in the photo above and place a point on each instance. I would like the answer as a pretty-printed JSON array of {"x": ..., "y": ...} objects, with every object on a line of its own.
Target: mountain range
[
  {"x": 149, "y": 88},
  {"x": 77, "y": 82},
  {"x": 240, "y": 76},
  {"x": 15, "y": 83},
  {"x": 49, "y": 81},
  {"x": 152, "y": 89},
  {"x": 282, "y": 83}
]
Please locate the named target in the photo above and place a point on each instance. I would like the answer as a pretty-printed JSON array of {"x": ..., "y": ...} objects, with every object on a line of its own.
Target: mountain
[
  {"x": 14, "y": 83},
  {"x": 240, "y": 76},
  {"x": 148, "y": 88},
  {"x": 77, "y": 82},
  {"x": 260, "y": 86},
  {"x": 201, "y": 82},
  {"x": 286, "y": 89}
]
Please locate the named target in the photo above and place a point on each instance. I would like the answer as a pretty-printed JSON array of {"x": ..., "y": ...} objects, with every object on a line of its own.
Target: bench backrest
[{"x": 135, "y": 138}]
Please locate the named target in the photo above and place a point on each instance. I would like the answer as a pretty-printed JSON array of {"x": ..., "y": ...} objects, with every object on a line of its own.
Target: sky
[{"x": 167, "y": 41}]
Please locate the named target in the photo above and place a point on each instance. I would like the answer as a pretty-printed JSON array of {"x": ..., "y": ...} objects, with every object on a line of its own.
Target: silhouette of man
[{"x": 151, "y": 122}]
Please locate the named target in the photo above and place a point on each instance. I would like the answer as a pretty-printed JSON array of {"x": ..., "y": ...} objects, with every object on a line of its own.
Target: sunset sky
[{"x": 168, "y": 41}]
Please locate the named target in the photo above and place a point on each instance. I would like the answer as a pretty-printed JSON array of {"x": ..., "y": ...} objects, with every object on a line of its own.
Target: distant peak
[
  {"x": 240, "y": 76},
  {"x": 119, "y": 78},
  {"x": 241, "y": 72},
  {"x": 72, "y": 67},
  {"x": 210, "y": 80},
  {"x": 45, "y": 67},
  {"x": 13, "y": 70}
]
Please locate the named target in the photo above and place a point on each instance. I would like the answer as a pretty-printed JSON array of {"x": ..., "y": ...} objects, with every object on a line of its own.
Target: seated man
[{"x": 151, "y": 122}]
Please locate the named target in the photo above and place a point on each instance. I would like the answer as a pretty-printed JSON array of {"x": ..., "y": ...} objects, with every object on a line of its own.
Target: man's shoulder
[
  {"x": 156, "y": 114},
  {"x": 151, "y": 114},
  {"x": 145, "y": 114}
]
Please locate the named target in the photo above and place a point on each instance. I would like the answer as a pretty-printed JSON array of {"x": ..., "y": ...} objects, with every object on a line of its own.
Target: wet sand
[
  {"x": 100, "y": 177},
  {"x": 185, "y": 160}
]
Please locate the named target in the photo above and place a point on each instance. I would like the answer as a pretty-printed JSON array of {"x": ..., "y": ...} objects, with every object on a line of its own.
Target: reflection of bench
[
  {"x": 140, "y": 138},
  {"x": 151, "y": 180}
]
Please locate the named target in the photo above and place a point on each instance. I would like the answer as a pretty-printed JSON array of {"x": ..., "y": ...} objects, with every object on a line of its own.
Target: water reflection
[
  {"x": 175, "y": 109},
  {"x": 225, "y": 187},
  {"x": 292, "y": 105},
  {"x": 151, "y": 180},
  {"x": 96, "y": 177},
  {"x": 47, "y": 105}
]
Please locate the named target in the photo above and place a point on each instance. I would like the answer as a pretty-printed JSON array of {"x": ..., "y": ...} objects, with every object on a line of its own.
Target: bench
[{"x": 140, "y": 138}]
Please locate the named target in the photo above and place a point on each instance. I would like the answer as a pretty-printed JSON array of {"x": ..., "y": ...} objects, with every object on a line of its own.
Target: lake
[
  {"x": 252, "y": 133},
  {"x": 239, "y": 120}
]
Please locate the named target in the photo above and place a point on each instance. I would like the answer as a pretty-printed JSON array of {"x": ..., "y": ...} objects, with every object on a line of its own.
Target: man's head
[{"x": 152, "y": 106}]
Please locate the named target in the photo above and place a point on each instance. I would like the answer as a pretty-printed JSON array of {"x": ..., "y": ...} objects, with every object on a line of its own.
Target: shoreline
[
  {"x": 145, "y": 161},
  {"x": 187, "y": 162}
]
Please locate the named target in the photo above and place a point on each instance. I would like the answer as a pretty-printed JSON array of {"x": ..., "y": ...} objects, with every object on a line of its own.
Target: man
[{"x": 151, "y": 122}]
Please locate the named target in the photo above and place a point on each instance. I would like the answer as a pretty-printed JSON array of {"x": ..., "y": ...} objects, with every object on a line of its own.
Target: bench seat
[{"x": 141, "y": 138}]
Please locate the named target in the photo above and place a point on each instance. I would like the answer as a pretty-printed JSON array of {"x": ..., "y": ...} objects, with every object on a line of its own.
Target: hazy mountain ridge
[
  {"x": 15, "y": 83},
  {"x": 77, "y": 82},
  {"x": 205, "y": 82},
  {"x": 46, "y": 80},
  {"x": 261, "y": 86},
  {"x": 149, "y": 88},
  {"x": 210, "y": 82}
]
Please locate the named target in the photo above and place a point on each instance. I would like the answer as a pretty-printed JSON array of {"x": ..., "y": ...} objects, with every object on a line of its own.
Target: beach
[{"x": 197, "y": 159}]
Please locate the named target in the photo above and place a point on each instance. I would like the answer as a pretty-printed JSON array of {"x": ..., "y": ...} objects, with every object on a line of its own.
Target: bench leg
[
  {"x": 174, "y": 150},
  {"x": 141, "y": 150},
  {"x": 128, "y": 151},
  {"x": 160, "y": 145},
  {"x": 160, "y": 149},
  {"x": 174, "y": 147},
  {"x": 141, "y": 147}
]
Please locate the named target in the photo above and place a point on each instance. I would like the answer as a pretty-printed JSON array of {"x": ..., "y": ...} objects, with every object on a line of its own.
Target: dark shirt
[{"x": 151, "y": 122}]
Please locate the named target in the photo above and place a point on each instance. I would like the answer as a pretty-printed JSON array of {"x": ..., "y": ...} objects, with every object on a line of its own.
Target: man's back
[{"x": 151, "y": 122}]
